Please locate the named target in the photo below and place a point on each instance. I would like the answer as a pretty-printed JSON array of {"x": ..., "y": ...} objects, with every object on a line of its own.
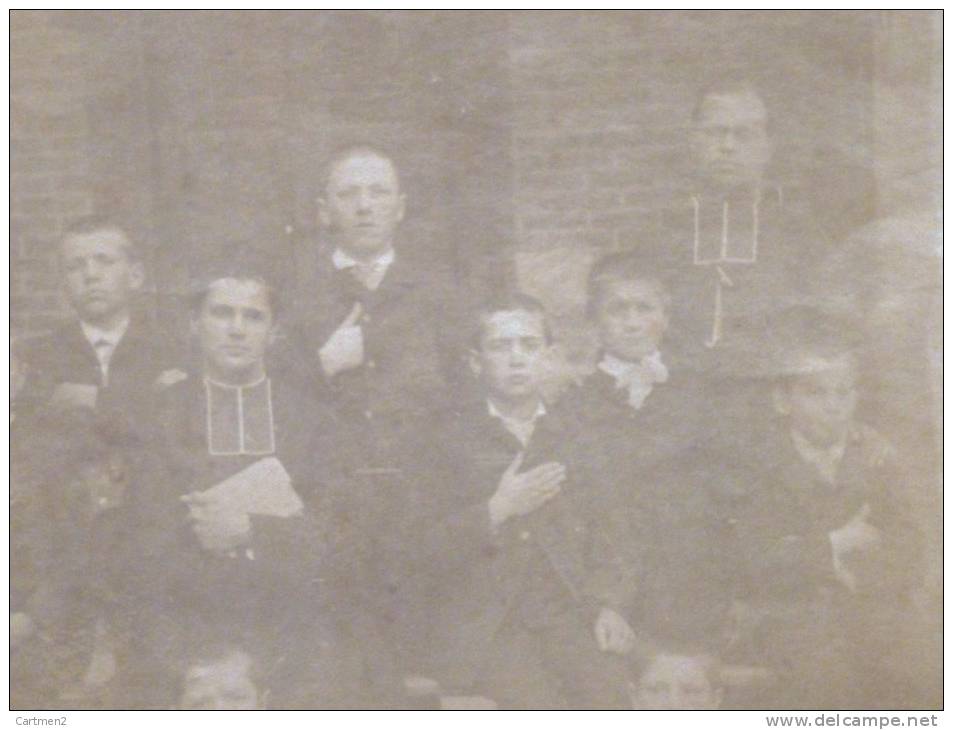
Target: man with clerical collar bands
[
  {"x": 501, "y": 542},
  {"x": 110, "y": 356},
  {"x": 246, "y": 502},
  {"x": 740, "y": 246}
]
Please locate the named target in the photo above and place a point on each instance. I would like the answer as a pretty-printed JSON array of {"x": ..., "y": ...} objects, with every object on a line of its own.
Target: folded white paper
[{"x": 264, "y": 488}]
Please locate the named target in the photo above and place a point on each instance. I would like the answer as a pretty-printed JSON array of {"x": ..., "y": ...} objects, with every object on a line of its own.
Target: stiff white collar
[
  {"x": 343, "y": 260},
  {"x": 637, "y": 378},
  {"x": 826, "y": 461},
  {"x": 522, "y": 430},
  {"x": 112, "y": 335}
]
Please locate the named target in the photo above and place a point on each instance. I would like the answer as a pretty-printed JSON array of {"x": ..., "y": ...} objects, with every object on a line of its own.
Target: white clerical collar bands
[
  {"x": 240, "y": 419},
  {"x": 724, "y": 238}
]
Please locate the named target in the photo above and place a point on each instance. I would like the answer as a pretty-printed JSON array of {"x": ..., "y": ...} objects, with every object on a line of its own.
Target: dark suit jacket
[
  {"x": 290, "y": 554},
  {"x": 406, "y": 356},
  {"x": 530, "y": 571},
  {"x": 791, "y": 511},
  {"x": 65, "y": 356},
  {"x": 300, "y": 598},
  {"x": 660, "y": 521}
]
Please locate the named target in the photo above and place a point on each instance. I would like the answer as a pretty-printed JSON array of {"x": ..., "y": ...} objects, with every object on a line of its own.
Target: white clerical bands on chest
[
  {"x": 240, "y": 419},
  {"x": 726, "y": 231}
]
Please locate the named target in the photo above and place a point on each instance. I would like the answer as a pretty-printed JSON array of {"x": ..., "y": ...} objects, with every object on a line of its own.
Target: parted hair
[{"x": 625, "y": 266}]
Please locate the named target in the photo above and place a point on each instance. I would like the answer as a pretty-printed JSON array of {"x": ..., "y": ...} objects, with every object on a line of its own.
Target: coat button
[
  {"x": 371, "y": 364},
  {"x": 524, "y": 535}
]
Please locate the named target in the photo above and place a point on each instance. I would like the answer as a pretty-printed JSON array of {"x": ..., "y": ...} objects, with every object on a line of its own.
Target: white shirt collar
[
  {"x": 522, "y": 430},
  {"x": 343, "y": 260},
  {"x": 621, "y": 370},
  {"x": 825, "y": 460},
  {"x": 95, "y": 334},
  {"x": 637, "y": 378}
]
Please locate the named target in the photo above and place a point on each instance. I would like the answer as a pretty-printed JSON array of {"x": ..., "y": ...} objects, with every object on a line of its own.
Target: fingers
[
  {"x": 549, "y": 473},
  {"x": 353, "y": 317},
  {"x": 515, "y": 464}
]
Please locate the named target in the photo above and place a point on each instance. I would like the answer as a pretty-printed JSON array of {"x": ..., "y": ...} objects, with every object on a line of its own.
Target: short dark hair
[
  {"x": 730, "y": 82},
  {"x": 506, "y": 301},
  {"x": 626, "y": 266},
  {"x": 89, "y": 224},
  {"x": 357, "y": 149},
  {"x": 236, "y": 260}
]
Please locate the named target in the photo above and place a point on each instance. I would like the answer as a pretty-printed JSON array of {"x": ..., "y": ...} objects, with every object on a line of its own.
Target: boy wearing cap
[{"x": 830, "y": 550}]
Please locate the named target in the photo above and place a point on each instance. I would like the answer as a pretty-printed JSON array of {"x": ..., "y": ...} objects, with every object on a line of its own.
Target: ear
[
  {"x": 781, "y": 400},
  {"x": 323, "y": 215}
]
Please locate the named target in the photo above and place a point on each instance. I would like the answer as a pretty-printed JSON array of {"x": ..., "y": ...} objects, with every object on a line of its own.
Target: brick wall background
[{"x": 528, "y": 142}]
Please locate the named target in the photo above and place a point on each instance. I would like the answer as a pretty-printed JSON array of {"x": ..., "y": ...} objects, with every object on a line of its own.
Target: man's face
[
  {"x": 631, "y": 319},
  {"x": 222, "y": 685},
  {"x": 363, "y": 204},
  {"x": 512, "y": 356},
  {"x": 234, "y": 328},
  {"x": 730, "y": 142},
  {"x": 675, "y": 682},
  {"x": 99, "y": 275},
  {"x": 821, "y": 404}
]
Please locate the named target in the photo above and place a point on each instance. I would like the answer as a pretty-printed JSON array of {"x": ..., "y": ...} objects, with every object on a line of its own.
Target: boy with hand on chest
[
  {"x": 505, "y": 591},
  {"x": 831, "y": 552}
]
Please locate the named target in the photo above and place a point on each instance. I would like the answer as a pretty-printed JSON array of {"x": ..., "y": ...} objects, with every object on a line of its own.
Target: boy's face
[
  {"x": 731, "y": 144},
  {"x": 99, "y": 275},
  {"x": 676, "y": 682},
  {"x": 234, "y": 327},
  {"x": 363, "y": 204},
  {"x": 512, "y": 355},
  {"x": 821, "y": 404},
  {"x": 631, "y": 319},
  {"x": 222, "y": 685}
]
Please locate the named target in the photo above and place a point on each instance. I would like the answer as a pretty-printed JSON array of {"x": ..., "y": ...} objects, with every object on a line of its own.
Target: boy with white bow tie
[
  {"x": 631, "y": 415},
  {"x": 633, "y": 393}
]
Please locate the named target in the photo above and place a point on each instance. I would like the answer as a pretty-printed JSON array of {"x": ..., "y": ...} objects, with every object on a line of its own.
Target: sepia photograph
[{"x": 476, "y": 360}]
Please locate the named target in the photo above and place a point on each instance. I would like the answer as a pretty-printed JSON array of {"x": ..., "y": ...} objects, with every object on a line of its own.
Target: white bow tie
[{"x": 637, "y": 378}]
